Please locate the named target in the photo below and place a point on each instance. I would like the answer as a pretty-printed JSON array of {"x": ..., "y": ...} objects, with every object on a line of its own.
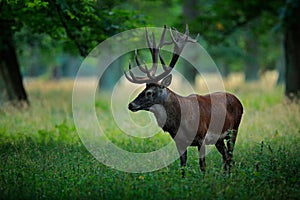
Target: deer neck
[{"x": 167, "y": 113}]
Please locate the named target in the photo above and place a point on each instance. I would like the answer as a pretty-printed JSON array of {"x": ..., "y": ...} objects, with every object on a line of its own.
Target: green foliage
[
  {"x": 42, "y": 157},
  {"x": 224, "y": 25},
  {"x": 79, "y": 23},
  {"x": 219, "y": 19},
  {"x": 45, "y": 31},
  {"x": 157, "y": 12}
]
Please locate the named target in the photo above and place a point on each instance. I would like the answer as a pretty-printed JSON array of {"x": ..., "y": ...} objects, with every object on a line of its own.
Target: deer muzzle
[{"x": 133, "y": 107}]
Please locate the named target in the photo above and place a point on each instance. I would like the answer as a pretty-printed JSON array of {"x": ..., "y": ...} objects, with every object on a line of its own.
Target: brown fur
[
  {"x": 234, "y": 111},
  {"x": 223, "y": 102},
  {"x": 194, "y": 120}
]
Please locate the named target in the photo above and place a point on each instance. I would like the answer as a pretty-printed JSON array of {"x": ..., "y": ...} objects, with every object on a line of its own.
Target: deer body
[
  {"x": 194, "y": 120},
  {"x": 176, "y": 115}
]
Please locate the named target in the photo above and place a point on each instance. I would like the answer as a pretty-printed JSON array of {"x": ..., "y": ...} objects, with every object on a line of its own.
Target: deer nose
[
  {"x": 133, "y": 106},
  {"x": 130, "y": 106}
]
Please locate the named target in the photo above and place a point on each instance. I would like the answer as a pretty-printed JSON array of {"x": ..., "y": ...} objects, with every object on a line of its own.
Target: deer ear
[{"x": 166, "y": 81}]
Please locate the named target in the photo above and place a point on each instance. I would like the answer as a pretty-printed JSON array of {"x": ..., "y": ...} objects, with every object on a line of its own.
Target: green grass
[{"x": 42, "y": 157}]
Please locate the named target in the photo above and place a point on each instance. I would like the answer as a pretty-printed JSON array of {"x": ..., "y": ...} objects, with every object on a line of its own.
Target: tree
[
  {"x": 188, "y": 14},
  {"x": 11, "y": 85},
  {"x": 220, "y": 19},
  {"x": 251, "y": 60},
  {"x": 291, "y": 17},
  {"x": 80, "y": 24}
]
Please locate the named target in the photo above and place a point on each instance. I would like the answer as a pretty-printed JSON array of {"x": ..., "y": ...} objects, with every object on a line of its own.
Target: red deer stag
[{"x": 188, "y": 119}]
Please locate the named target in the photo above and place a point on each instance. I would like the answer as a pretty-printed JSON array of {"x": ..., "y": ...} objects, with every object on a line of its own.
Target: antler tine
[
  {"x": 136, "y": 58},
  {"x": 131, "y": 74},
  {"x": 177, "y": 49},
  {"x": 130, "y": 79},
  {"x": 129, "y": 65},
  {"x": 153, "y": 41},
  {"x": 148, "y": 72},
  {"x": 187, "y": 34},
  {"x": 162, "y": 39},
  {"x": 187, "y": 29},
  {"x": 163, "y": 63},
  {"x": 193, "y": 40},
  {"x": 144, "y": 70},
  {"x": 172, "y": 36},
  {"x": 178, "y": 35},
  {"x": 147, "y": 39},
  {"x": 153, "y": 51}
]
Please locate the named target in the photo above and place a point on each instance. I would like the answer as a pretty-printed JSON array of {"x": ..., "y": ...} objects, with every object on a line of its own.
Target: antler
[{"x": 179, "y": 43}]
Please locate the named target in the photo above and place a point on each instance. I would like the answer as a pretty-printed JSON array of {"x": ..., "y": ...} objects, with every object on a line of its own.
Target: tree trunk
[
  {"x": 251, "y": 61},
  {"x": 190, "y": 13},
  {"x": 224, "y": 68},
  {"x": 280, "y": 66},
  {"x": 292, "y": 56},
  {"x": 188, "y": 71},
  {"x": 11, "y": 85}
]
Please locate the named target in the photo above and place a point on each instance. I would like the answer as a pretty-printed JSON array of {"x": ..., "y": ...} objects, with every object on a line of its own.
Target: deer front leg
[
  {"x": 201, "y": 150},
  {"x": 183, "y": 157}
]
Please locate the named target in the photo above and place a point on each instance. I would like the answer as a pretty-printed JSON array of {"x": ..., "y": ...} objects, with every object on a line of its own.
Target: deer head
[{"x": 155, "y": 92}]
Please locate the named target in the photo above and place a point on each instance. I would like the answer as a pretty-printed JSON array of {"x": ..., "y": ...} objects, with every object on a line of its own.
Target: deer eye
[{"x": 149, "y": 93}]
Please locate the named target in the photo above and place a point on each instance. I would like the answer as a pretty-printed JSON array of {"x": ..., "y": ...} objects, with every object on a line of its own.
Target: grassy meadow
[{"x": 42, "y": 156}]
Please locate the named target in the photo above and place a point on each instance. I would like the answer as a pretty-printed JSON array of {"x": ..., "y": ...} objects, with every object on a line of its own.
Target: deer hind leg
[
  {"x": 183, "y": 159},
  {"x": 220, "y": 145},
  {"x": 230, "y": 145},
  {"x": 202, "y": 164}
]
